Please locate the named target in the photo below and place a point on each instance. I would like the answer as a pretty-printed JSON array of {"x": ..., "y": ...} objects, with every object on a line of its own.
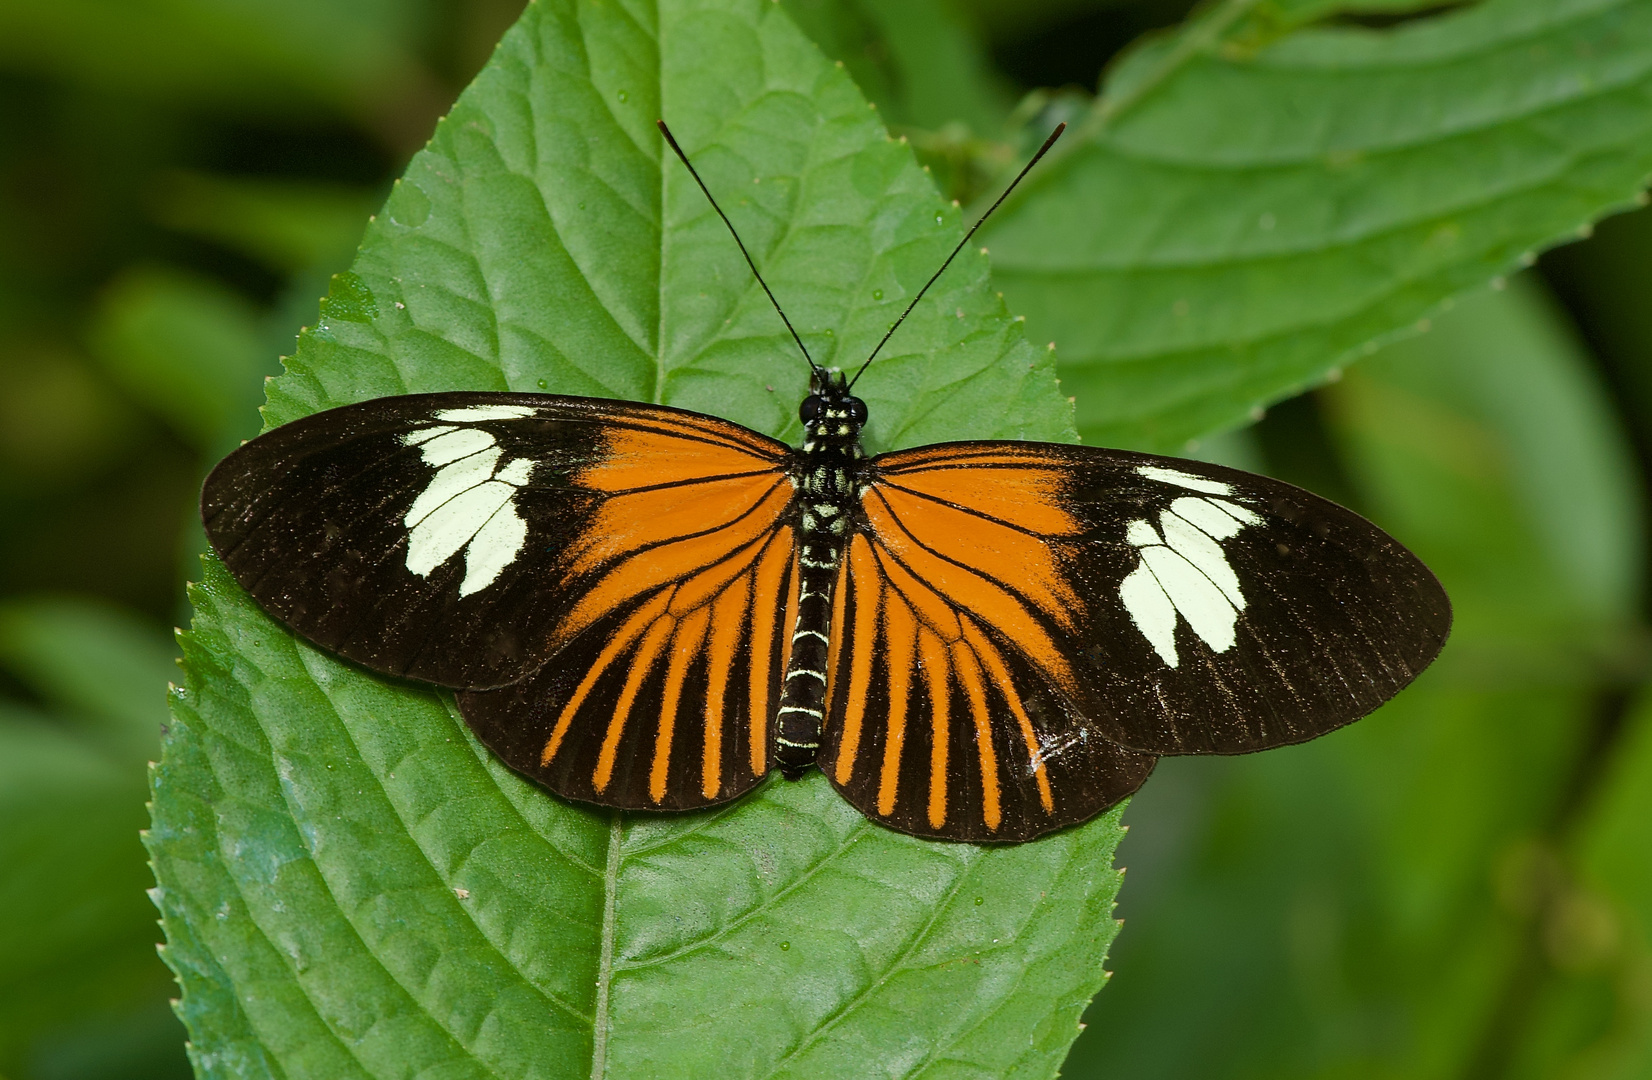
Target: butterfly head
[{"x": 831, "y": 411}]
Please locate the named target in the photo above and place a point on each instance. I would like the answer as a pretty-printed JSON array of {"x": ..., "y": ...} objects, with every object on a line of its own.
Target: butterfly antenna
[
  {"x": 1042, "y": 150},
  {"x": 770, "y": 292}
]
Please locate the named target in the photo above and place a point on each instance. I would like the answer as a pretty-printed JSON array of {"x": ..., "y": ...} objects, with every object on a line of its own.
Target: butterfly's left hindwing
[{"x": 575, "y": 552}]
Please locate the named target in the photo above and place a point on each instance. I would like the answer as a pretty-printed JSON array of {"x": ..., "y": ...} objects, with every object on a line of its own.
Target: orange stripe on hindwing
[
  {"x": 900, "y": 631},
  {"x": 728, "y": 617},
  {"x": 685, "y": 644},
  {"x": 641, "y": 664},
  {"x": 969, "y": 676},
  {"x": 864, "y": 578},
  {"x": 1000, "y": 674},
  {"x": 935, "y": 668},
  {"x": 639, "y": 621}
]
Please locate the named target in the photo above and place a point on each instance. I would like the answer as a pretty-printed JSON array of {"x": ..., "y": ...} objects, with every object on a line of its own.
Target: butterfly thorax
[{"x": 824, "y": 474}]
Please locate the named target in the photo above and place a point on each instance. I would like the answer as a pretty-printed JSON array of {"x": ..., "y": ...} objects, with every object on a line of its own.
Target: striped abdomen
[{"x": 802, "y": 708}]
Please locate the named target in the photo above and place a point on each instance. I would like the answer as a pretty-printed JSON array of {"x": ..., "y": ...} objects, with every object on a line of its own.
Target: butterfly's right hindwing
[{"x": 940, "y": 727}]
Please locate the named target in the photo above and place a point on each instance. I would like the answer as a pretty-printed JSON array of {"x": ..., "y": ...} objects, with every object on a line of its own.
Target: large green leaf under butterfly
[{"x": 350, "y": 885}]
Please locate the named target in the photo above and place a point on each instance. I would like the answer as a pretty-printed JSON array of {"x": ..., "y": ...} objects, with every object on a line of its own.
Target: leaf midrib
[{"x": 605, "y": 964}]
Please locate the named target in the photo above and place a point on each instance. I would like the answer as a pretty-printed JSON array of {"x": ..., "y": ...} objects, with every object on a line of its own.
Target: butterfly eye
[
  {"x": 810, "y": 409},
  {"x": 857, "y": 410}
]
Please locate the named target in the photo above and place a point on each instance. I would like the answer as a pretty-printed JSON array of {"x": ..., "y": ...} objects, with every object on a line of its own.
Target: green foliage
[
  {"x": 75, "y": 926},
  {"x": 347, "y": 54},
  {"x": 188, "y": 348},
  {"x": 290, "y": 225},
  {"x": 1240, "y": 216}
]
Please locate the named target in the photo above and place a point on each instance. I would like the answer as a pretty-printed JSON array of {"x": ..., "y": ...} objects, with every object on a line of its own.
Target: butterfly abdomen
[{"x": 825, "y": 479}]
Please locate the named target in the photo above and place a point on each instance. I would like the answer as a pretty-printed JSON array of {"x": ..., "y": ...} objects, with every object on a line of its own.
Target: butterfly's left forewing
[
  {"x": 1024, "y": 625},
  {"x": 604, "y": 581}
]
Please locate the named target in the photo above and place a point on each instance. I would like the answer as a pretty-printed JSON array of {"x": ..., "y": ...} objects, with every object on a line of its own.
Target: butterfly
[{"x": 646, "y": 608}]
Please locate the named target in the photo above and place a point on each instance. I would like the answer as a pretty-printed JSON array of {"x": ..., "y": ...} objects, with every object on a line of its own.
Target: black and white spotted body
[{"x": 825, "y": 480}]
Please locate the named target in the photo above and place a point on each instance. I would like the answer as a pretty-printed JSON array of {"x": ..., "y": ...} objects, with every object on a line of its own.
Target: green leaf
[
  {"x": 1592, "y": 908},
  {"x": 1508, "y": 362},
  {"x": 351, "y": 886},
  {"x": 1234, "y": 222}
]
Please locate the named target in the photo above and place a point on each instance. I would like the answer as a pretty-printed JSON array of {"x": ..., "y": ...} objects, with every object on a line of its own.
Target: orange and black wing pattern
[
  {"x": 605, "y": 582},
  {"x": 1023, "y": 627}
]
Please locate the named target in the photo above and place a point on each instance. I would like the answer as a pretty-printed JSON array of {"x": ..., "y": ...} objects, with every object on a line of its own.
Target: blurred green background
[{"x": 1459, "y": 887}]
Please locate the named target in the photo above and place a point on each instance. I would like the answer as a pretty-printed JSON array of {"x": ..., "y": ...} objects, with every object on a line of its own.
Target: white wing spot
[
  {"x": 1186, "y": 480},
  {"x": 1202, "y": 551},
  {"x": 1207, "y": 514},
  {"x": 455, "y": 444},
  {"x": 484, "y": 412},
  {"x": 414, "y": 438},
  {"x": 1186, "y": 573},
  {"x": 1141, "y": 534},
  {"x": 469, "y": 503},
  {"x": 1243, "y": 515},
  {"x": 451, "y": 527},
  {"x": 1151, "y": 610},
  {"x": 493, "y": 548},
  {"x": 517, "y": 472},
  {"x": 1202, "y": 604},
  {"x": 451, "y": 480}
]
